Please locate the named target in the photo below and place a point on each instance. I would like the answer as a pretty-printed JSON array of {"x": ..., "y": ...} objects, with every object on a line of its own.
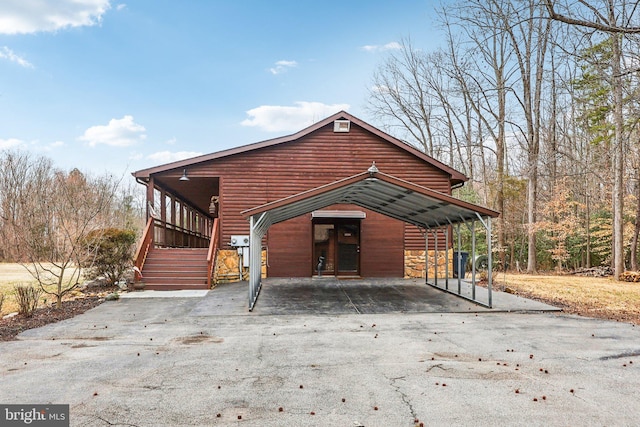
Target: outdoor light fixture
[
  {"x": 184, "y": 176},
  {"x": 372, "y": 170}
]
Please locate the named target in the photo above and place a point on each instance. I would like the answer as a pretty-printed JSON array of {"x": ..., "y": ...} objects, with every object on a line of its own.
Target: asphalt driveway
[{"x": 192, "y": 359}]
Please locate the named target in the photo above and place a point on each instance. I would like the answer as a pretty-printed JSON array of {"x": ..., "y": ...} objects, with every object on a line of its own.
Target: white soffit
[{"x": 339, "y": 214}]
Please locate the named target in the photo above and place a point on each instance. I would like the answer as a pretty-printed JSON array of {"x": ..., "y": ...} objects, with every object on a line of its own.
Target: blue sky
[{"x": 110, "y": 86}]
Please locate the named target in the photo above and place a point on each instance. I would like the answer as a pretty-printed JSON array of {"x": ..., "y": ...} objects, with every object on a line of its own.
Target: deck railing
[
  {"x": 163, "y": 234},
  {"x": 213, "y": 251},
  {"x": 143, "y": 249},
  {"x": 174, "y": 236}
]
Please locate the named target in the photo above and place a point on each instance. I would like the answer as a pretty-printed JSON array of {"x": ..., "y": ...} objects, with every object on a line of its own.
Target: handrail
[
  {"x": 213, "y": 249},
  {"x": 172, "y": 235},
  {"x": 143, "y": 249}
]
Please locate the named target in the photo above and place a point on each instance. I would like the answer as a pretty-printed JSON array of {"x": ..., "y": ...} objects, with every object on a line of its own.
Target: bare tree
[
  {"x": 47, "y": 217},
  {"x": 484, "y": 78},
  {"x": 614, "y": 18}
]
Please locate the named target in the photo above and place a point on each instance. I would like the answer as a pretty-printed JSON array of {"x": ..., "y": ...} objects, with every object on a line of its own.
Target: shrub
[
  {"x": 27, "y": 297},
  {"x": 112, "y": 252},
  {"x": 1, "y": 301}
]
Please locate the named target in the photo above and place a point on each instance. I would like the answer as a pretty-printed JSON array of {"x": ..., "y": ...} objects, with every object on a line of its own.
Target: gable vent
[{"x": 341, "y": 125}]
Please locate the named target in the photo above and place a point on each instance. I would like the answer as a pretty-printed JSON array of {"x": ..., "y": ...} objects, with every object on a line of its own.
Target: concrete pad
[
  {"x": 186, "y": 293},
  {"x": 281, "y": 296},
  {"x": 163, "y": 361}
]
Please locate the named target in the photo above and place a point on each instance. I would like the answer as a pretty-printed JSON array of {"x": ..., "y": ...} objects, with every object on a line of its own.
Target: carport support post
[
  {"x": 459, "y": 260},
  {"x": 490, "y": 260},
  {"x": 446, "y": 258},
  {"x": 426, "y": 257},
  {"x": 473, "y": 259},
  {"x": 257, "y": 230},
  {"x": 435, "y": 259}
]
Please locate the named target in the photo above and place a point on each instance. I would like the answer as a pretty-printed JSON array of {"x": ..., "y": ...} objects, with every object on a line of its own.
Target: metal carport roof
[{"x": 372, "y": 190}]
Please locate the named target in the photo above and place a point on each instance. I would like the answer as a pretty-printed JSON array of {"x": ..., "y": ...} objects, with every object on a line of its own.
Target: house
[{"x": 332, "y": 218}]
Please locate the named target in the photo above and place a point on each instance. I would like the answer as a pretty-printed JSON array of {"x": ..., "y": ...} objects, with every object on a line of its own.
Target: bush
[
  {"x": 112, "y": 252},
  {"x": 27, "y": 297},
  {"x": 1, "y": 301}
]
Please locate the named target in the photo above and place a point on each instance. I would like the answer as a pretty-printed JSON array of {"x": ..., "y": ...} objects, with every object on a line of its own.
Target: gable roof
[
  {"x": 456, "y": 176},
  {"x": 379, "y": 192}
]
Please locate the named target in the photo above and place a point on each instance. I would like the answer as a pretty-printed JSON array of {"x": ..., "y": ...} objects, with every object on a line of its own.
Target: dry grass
[
  {"x": 15, "y": 274},
  {"x": 586, "y": 296}
]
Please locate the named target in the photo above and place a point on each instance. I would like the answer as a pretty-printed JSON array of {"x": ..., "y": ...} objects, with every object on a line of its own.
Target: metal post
[
  {"x": 490, "y": 260},
  {"x": 446, "y": 258},
  {"x": 459, "y": 259},
  {"x": 473, "y": 259},
  {"x": 426, "y": 257},
  {"x": 435, "y": 257},
  {"x": 252, "y": 273}
]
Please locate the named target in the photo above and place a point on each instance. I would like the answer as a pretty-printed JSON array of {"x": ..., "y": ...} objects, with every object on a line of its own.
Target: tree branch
[{"x": 607, "y": 28}]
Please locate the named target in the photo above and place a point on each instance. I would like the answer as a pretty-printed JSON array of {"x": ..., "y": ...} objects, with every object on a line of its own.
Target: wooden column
[{"x": 150, "y": 201}]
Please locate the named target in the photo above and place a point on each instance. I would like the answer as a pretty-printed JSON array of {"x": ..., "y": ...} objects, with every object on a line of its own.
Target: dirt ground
[{"x": 15, "y": 274}]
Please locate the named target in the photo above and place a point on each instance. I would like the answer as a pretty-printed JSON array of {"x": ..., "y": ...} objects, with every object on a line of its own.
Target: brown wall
[{"x": 256, "y": 177}]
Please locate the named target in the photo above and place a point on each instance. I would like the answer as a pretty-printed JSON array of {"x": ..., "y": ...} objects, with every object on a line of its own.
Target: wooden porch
[{"x": 179, "y": 245}]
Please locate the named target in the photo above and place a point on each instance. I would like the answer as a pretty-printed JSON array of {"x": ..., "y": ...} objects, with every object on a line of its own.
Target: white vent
[{"x": 341, "y": 126}]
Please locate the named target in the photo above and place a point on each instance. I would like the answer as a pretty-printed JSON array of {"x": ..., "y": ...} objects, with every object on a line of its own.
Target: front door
[{"x": 336, "y": 247}]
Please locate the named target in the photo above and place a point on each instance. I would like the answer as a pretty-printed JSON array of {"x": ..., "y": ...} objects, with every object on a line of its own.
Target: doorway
[{"x": 336, "y": 247}]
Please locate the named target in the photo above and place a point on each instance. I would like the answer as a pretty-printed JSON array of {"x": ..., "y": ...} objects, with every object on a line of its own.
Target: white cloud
[
  {"x": 32, "y": 16},
  {"x": 121, "y": 6},
  {"x": 49, "y": 147},
  {"x": 282, "y": 67},
  {"x": 8, "y": 54},
  {"x": 10, "y": 143},
  {"x": 172, "y": 141},
  {"x": 118, "y": 133},
  {"x": 169, "y": 156},
  {"x": 274, "y": 118},
  {"x": 382, "y": 47}
]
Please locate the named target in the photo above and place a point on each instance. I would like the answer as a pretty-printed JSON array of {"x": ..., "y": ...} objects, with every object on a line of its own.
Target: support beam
[
  {"x": 150, "y": 195},
  {"x": 258, "y": 228},
  {"x": 490, "y": 261},
  {"x": 459, "y": 260}
]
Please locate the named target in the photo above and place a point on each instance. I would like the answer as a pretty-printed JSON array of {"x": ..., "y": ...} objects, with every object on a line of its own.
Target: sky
[{"x": 111, "y": 86}]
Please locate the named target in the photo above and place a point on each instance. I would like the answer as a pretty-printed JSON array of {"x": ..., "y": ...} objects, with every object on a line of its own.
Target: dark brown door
[{"x": 336, "y": 248}]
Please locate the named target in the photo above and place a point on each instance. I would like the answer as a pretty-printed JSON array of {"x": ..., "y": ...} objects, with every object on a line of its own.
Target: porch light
[
  {"x": 373, "y": 169},
  {"x": 184, "y": 176}
]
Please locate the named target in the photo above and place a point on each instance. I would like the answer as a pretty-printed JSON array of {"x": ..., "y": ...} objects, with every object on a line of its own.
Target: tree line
[
  {"x": 57, "y": 223},
  {"x": 536, "y": 101}
]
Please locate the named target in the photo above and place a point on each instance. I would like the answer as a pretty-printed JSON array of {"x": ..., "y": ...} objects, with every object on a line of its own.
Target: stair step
[
  {"x": 175, "y": 268},
  {"x": 169, "y": 279},
  {"x": 173, "y": 287}
]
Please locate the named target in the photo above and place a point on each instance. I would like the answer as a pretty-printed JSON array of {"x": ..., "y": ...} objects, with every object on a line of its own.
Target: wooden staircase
[{"x": 175, "y": 268}]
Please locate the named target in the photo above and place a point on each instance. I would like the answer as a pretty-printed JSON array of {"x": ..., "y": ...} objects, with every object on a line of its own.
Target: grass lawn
[
  {"x": 600, "y": 297},
  {"x": 15, "y": 274}
]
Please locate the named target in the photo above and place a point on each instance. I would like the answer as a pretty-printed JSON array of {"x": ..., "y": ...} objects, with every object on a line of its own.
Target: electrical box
[{"x": 239, "y": 241}]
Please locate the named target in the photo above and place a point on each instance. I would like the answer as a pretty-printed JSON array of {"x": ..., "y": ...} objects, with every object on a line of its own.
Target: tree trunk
[
  {"x": 636, "y": 231},
  {"x": 531, "y": 216},
  {"x": 618, "y": 158}
]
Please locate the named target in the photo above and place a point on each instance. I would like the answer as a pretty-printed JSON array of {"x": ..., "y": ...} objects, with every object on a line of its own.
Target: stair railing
[
  {"x": 143, "y": 249},
  {"x": 213, "y": 250}
]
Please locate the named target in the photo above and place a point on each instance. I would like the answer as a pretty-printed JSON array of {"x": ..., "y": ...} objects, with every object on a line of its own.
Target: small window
[{"x": 341, "y": 125}]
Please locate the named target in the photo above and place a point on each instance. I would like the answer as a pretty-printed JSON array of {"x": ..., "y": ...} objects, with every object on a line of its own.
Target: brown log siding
[{"x": 256, "y": 177}]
